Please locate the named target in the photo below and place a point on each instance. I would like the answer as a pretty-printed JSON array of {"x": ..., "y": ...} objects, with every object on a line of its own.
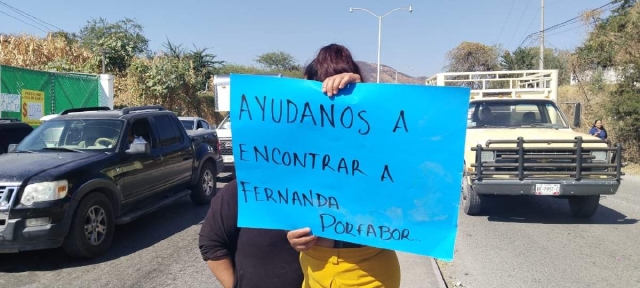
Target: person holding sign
[
  {"x": 332, "y": 263},
  {"x": 245, "y": 257}
]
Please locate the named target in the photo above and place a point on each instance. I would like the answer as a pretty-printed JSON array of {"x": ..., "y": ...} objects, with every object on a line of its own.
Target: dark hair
[
  {"x": 594, "y": 124},
  {"x": 331, "y": 60}
]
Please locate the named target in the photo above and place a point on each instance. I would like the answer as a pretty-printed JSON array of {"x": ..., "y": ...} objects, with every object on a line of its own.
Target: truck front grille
[
  {"x": 539, "y": 156},
  {"x": 226, "y": 147},
  {"x": 7, "y": 196},
  {"x": 546, "y": 161}
]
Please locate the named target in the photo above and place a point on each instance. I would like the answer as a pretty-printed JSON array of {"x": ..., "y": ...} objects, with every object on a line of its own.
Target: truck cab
[{"x": 519, "y": 142}]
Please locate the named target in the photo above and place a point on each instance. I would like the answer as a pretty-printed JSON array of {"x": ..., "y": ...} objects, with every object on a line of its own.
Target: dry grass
[{"x": 37, "y": 53}]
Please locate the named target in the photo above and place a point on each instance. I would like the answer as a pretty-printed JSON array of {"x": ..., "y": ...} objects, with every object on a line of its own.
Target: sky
[{"x": 238, "y": 30}]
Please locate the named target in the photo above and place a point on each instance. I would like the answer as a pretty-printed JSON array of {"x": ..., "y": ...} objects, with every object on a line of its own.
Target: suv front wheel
[{"x": 91, "y": 231}]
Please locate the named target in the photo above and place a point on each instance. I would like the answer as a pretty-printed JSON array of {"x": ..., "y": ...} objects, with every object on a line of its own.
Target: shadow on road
[
  {"x": 142, "y": 233},
  {"x": 545, "y": 210}
]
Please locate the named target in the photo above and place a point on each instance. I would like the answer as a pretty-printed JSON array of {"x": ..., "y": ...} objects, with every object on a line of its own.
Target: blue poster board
[{"x": 379, "y": 164}]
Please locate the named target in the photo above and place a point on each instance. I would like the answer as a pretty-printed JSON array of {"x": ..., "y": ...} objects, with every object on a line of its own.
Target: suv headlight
[
  {"x": 488, "y": 156},
  {"x": 45, "y": 191},
  {"x": 600, "y": 155}
]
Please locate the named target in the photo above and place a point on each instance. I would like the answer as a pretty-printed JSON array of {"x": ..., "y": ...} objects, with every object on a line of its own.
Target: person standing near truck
[{"x": 598, "y": 130}]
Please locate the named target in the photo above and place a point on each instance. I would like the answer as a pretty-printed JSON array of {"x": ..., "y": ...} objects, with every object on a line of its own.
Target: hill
[{"x": 387, "y": 74}]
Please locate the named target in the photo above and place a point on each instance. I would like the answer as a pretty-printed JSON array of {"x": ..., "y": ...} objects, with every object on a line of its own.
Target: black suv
[
  {"x": 12, "y": 131},
  {"x": 73, "y": 178}
]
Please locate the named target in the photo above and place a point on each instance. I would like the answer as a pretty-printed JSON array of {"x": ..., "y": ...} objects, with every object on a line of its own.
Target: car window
[
  {"x": 168, "y": 131},
  {"x": 520, "y": 114},
  {"x": 203, "y": 124},
  {"x": 188, "y": 124},
  {"x": 78, "y": 134}
]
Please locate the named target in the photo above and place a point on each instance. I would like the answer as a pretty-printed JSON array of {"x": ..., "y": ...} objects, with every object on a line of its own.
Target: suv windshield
[
  {"x": 74, "y": 135},
  {"x": 515, "y": 114},
  {"x": 226, "y": 123}
]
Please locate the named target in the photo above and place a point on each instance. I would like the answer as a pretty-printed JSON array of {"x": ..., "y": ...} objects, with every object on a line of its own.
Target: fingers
[
  {"x": 301, "y": 239},
  {"x": 333, "y": 84}
]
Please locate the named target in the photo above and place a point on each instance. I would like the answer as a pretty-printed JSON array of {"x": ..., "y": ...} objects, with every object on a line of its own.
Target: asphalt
[
  {"x": 157, "y": 250},
  {"x": 535, "y": 242}
]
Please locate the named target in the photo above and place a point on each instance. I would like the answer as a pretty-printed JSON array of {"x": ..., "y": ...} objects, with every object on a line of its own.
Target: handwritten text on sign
[
  {"x": 32, "y": 106},
  {"x": 379, "y": 165}
]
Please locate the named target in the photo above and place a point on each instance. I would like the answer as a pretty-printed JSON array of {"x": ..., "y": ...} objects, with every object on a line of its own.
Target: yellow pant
[{"x": 365, "y": 267}]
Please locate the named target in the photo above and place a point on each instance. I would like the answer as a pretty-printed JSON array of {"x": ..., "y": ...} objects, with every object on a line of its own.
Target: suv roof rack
[
  {"x": 84, "y": 109},
  {"x": 128, "y": 110}
]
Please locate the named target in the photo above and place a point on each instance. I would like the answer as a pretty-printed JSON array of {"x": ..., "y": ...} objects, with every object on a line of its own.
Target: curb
[{"x": 437, "y": 273}]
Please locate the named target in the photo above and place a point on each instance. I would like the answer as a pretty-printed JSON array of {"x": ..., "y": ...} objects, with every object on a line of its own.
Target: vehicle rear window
[{"x": 168, "y": 130}]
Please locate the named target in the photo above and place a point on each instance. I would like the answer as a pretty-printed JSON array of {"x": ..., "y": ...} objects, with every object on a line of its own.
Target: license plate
[
  {"x": 227, "y": 158},
  {"x": 547, "y": 189}
]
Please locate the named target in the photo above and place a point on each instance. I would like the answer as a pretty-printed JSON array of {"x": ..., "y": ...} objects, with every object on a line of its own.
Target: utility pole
[
  {"x": 541, "y": 34},
  {"x": 103, "y": 61}
]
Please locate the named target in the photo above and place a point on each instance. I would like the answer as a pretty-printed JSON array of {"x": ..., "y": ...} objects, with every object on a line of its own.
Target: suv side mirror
[
  {"x": 12, "y": 148},
  {"x": 139, "y": 148},
  {"x": 577, "y": 115}
]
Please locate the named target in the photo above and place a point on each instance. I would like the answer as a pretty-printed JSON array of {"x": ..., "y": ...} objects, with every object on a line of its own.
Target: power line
[
  {"x": 567, "y": 22},
  {"x": 29, "y": 15},
  {"x": 505, "y": 20},
  {"x": 520, "y": 20},
  {"x": 23, "y": 21}
]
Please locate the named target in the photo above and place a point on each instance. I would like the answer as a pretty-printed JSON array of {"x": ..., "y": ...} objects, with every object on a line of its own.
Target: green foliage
[
  {"x": 528, "y": 59},
  {"x": 121, "y": 41},
  {"x": 241, "y": 69},
  {"x": 521, "y": 59},
  {"x": 277, "y": 61},
  {"x": 472, "y": 57},
  {"x": 615, "y": 44}
]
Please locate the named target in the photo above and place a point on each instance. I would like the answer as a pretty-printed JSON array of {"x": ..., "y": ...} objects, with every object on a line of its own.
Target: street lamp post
[{"x": 351, "y": 9}]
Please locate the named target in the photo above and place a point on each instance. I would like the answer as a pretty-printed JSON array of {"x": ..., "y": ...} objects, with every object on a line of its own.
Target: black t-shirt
[{"x": 262, "y": 257}]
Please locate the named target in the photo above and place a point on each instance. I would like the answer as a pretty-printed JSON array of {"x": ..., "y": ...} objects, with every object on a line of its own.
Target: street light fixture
[{"x": 351, "y": 9}]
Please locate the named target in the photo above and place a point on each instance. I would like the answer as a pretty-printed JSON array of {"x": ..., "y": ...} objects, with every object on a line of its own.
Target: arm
[
  {"x": 219, "y": 235},
  {"x": 223, "y": 271}
]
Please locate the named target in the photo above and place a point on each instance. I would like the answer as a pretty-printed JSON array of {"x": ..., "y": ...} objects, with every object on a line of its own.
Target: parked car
[
  {"x": 195, "y": 123},
  {"x": 224, "y": 133},
  {"x": 12, "y": 131},
  {"x": 77, "y": 175}
]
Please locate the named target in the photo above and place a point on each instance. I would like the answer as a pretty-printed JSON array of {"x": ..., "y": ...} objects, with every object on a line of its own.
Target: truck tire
[
  {"x": 205, "y": 187},
  {"x": 584, "y": 206},
  {"x": 471, "y": 202},
  {"x": 91, "y": 231}
]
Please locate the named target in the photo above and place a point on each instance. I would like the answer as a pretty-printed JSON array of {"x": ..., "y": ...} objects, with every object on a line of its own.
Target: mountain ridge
[{"x": 387, "y": 74}]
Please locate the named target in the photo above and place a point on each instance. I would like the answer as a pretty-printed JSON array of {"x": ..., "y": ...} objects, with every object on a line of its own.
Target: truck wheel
[
  {"x": 471, "y": 202},
  {"x": 205, "y": 187},
  {"x": 91, "y": 230},
  {"x": 584, "y": 206}
]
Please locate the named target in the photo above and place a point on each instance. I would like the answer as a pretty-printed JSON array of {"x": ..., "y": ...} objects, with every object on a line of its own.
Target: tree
[
  {"x": 520, "y": 59},
  {"x": 277, "y": 61},
  {"x": 615, "y": 44},
  {"x": 472, "y": 57},
  {"x": 121, "y": 41}
]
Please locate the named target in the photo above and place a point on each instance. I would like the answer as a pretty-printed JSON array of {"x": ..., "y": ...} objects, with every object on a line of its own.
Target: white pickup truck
[
  {"x": 224, "y": 134},
  {"x": 520, "y": 143}
]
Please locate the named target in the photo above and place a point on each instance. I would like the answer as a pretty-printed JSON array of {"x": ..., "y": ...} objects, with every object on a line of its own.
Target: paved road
[
  {"x": 158, "y": 250},
  {"x": 535, "y": 242}
]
